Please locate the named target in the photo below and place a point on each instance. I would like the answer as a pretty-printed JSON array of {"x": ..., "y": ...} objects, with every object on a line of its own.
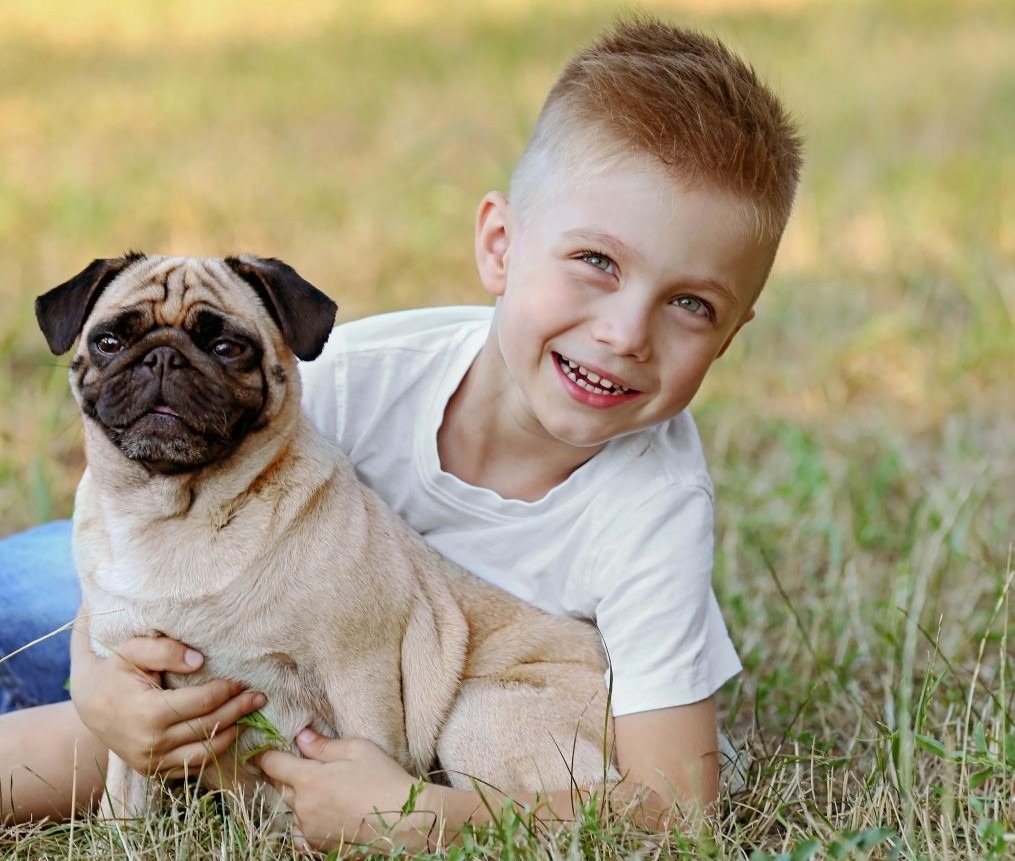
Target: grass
[
  {"x": 861, "y": 432},
  {"x": 272, "y": 739}
]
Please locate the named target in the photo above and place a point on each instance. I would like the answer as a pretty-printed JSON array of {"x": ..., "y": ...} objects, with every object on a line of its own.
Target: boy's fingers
[
  {"x": 148, "y": 654},
  {"x": 280, "y": 766},
  {"x": 200, "y": 700},
  {"x": 89, "y": 670},
  {"x": 160, "y": 655},
  {"x": 205, "y": 725},
  {"x": 313, "y": 745},
  {"x": 189, "y": 759}
]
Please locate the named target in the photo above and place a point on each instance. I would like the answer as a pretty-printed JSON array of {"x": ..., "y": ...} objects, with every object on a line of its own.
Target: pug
[{"x": 212, "y": 511}]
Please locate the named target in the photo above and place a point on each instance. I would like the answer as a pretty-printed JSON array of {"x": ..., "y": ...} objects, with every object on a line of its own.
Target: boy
[{"x": 544, "y": 445}]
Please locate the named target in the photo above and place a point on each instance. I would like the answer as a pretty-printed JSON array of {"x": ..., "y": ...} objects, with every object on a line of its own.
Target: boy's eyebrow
[
  {"x": 621, "y": 249},
  {"x": 711, "y": 284},
  {"x": 611, "y": 243}
]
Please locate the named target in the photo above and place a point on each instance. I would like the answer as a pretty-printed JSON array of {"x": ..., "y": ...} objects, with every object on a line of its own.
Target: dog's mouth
[
  {"x": 169, "y": 441},
  {"x": 172, "y": 439}
]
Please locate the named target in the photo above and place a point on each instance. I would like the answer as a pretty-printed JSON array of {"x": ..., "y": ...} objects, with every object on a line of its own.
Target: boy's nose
[{"x": 626, "y": 330}]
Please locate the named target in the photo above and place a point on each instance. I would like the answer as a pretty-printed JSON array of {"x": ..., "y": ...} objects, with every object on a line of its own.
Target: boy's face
[{"x": 615, "y": 295}]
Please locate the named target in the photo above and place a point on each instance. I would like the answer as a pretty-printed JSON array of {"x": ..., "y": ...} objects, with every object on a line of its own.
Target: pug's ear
[
  {"x": 63, "y": 310},
  {"x": 304, "y": 314}
]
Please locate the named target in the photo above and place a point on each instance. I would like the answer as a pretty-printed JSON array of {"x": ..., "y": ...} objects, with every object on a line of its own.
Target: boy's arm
[
  {"x": 669, "y": 759},
  {"x": 669, "y": 755},
  {"x": 672, "y": 752}
]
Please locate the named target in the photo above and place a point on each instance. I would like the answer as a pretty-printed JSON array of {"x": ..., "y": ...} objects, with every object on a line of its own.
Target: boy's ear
[
  {"x": 746, "y": 319},
  {"x": 493, "y": 239}
]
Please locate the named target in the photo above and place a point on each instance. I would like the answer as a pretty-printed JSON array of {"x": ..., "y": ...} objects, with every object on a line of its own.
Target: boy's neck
[{"x": 487, "y": 439}]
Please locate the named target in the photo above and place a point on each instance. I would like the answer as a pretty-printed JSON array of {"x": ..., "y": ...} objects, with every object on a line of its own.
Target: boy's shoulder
[
  {"x": 645, "y": 474},
  {"x": 669, "y": 457},
  {"x": 381, "y": 366}
]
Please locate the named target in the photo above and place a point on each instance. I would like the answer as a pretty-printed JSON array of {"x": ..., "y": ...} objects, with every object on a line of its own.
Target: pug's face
[{"x": 180, "y": 359}]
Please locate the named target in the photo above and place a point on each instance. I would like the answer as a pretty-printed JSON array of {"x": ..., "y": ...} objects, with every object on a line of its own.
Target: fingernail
[
  {"x": 306, "y": 735},
  {"x": 260, "y": 700},
  {"x": 193, "y": 659}
]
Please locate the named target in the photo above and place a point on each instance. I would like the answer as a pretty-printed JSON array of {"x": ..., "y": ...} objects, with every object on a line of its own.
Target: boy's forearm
[
  {"x": 49, "y": 764},
  {"x": 454, "y": 808}
]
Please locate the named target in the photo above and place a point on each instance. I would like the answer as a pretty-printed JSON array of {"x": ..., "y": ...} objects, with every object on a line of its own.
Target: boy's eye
[
  {"x": 600, "y": 261},
  {"x": 693, "y": 304}
]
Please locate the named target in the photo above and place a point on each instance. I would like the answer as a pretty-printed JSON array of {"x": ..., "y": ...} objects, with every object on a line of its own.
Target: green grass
[
  {"x": 861, "y": 431},
  {"x": 272, "y": 739}
]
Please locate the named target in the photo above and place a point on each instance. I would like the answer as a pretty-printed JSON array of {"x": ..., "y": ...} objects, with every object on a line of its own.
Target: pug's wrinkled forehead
[
  {"x": 171, "y": 291},
  {"x": 174, "y": 291}
]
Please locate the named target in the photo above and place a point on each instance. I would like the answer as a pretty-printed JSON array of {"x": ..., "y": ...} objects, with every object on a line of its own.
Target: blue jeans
[{"x": 38, "y": 594}]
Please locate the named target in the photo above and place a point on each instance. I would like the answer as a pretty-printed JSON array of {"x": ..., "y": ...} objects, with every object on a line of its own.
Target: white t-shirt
[{"x": 626, "y": 541}]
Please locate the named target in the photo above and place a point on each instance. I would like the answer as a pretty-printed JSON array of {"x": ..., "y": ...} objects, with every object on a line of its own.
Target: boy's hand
[
  {"x": 335, "y": 791},
  {"x": 121, "y": 701}
]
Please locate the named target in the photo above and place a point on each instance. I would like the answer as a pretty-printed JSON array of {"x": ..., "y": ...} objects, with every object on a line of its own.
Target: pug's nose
[{"x": 163, "y": 359}]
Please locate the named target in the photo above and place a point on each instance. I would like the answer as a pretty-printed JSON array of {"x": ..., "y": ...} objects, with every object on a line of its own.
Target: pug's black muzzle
[{"x": 168, "y": 402}]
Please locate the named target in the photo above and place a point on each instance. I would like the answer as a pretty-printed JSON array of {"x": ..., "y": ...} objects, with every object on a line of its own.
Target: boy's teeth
[{"x": 590, "y": 380}]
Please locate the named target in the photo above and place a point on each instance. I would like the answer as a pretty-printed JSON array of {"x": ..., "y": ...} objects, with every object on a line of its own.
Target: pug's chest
[
  {"x": 257, "y": 654},
  {"x": 211, "y": 624},
  {"x": 217, "y": 610}
]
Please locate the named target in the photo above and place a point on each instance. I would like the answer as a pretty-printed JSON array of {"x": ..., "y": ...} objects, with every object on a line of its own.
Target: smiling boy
[
  {"x": 640, "y": 227},
  {"x": 545, "y": 444}
]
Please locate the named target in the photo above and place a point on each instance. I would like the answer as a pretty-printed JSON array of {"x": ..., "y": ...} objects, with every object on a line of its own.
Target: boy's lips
[{"x": 602, "y": 389}]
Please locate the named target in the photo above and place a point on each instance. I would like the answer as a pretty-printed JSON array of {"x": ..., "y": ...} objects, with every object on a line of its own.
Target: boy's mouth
[{"x": 589, "y": 380}]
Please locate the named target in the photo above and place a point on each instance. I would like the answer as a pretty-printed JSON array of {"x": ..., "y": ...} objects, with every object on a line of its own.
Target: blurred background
[
  {"x": 861, "y": 431},
  {"x": 354, "y": 140}
]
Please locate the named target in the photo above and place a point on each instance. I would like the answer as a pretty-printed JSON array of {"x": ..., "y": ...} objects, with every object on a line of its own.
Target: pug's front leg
[{"x": 128, "y": 795}]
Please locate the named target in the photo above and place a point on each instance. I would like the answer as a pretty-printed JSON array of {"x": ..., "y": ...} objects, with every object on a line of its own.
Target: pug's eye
[
  {"x": 109, "y": 344},
  {"x": 226, "y": 349}
]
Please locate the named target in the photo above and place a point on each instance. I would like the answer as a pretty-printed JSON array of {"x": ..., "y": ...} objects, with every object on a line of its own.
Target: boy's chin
[{"x": 589, "y": 439}]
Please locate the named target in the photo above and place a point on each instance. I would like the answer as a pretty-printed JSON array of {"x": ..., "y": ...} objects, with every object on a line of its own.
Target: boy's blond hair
[{"x": 683, "y": 99}]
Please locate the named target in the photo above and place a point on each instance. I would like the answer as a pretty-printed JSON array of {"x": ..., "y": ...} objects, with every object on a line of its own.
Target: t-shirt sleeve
[{"x": 656, "y": 609}]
